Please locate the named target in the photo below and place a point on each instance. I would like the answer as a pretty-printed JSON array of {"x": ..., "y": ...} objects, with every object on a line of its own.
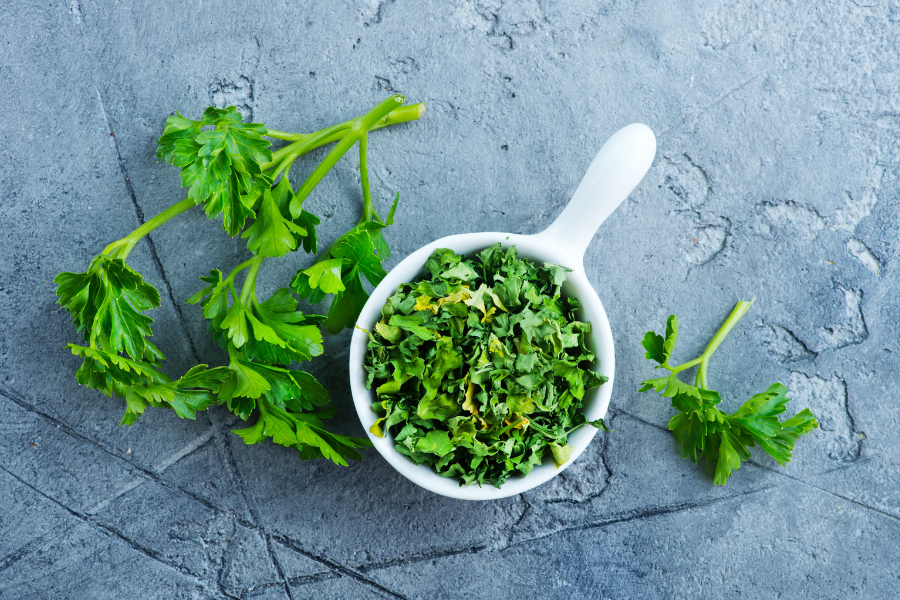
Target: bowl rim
[{"x": 596, "y": 401}]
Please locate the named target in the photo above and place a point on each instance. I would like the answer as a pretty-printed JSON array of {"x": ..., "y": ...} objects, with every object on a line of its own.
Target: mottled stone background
[{"x": 776, "y": 178}]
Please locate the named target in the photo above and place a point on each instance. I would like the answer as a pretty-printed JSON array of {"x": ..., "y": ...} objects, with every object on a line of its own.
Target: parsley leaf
[
  {"x": 107, "y": 303},
  {"x": 702, "y": 428},
  {"x": 219, "y": 166},
  {"x": 303, "y": 431},
  {"x": 659, "y": 348},
  {"x": 141, "y": 384},
  {"x": 340, "y": 271},
  {"x": 272, "y": 234}
]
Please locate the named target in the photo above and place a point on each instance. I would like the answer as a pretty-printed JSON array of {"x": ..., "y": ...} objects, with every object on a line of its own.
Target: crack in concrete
[
  {"x": 829, "y": 399},
  {"x": 639, "y": 515},
  {"x": 69, "y": 430},
  {"x": 337, "y": 567},
  {"x": 844, "y": 466},
  {"x": 74, "y": 8},
  {"x": 191, "y": 447},
  {"x": 846, "y": 219},
  {"x": 829, "y": 492},
  {"x": 783, "y": 344},
  {"x": 26, "y": 549},
  {"x": 691, "y": 187},
  {"x": 753, "y": 462},
  {"x": 417, "y": 558},
  {"x": 577, "y": 496},
  {"x": 254, "y": 513},
  {"x": 107, "y": 530},
  {"x": 367, "y": 567},
  {"x": 278, "y": 568},
  {"x": 258, "y": 589},
  {"x": 199, "y": 442},
  {"x": 148, "y": 475},
  {"x": 858, "y": 250},
  {"x": 636, "y": 418},
  {"x": 378, "y": 13},
  {"x": 853, "y": 330},
  {"x": 150, "y": 244},
  {"x": 525, "y": 510},
  {"x": 716, "y": 101},
  {"x": 314, "y": 578}
]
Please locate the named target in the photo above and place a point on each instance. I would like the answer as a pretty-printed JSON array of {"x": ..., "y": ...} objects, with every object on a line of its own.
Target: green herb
[
  {"x": 481, "y": 368},
  {"x": 229, "y": 168},
  {"x": 702, "y": 428}
]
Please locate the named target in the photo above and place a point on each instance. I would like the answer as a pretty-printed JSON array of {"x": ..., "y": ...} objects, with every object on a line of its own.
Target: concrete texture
[{"x": 776, "y": 178}]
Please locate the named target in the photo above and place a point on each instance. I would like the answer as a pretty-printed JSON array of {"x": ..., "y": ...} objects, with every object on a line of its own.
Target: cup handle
[{"x": 616, "y": 170}]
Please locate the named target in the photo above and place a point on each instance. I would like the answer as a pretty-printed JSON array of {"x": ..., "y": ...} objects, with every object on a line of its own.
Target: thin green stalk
[
  {"x": 510, "y": 427},
  {"x": 282, "y": 135},
  {"x": 250, "y": 282},
  {"x": 687, "y": 365},
  {"x": 368, "y": 209},
  {"x": 739, "y": 311},
  {"x": 283, "y": 166},
  {"x": 360, "y": 127},
  {"x": 401, "y": 114},
  {"x": 123, "y": 247},
  {"x": 546, "y": 433},
  {"x": 306, "y": 142},
  {"x": 238, "y": 269}
]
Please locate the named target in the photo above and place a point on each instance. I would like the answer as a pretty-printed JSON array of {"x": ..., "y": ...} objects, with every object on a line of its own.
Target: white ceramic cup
[{"x": 615, "y": 172}]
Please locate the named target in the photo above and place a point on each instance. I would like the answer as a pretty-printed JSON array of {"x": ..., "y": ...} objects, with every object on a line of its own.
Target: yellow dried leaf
[
  {"x": 523, "y": 424},
  {"x": 469, "y": 403},
  {"x": 460, "y": 295},
  {"x": 424, "y": 303},
  {"x": 477, "y": 299},
  {"x": 497, "y": 300}
]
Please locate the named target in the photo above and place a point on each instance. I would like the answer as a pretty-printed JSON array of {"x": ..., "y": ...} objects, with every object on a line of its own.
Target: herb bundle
[
  {"x": 481, "y": 368},
  {"x": 229, "y": 169},
  {"x": 702, "y": 428}
]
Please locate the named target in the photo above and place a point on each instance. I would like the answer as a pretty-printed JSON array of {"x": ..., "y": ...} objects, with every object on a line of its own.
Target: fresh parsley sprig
[
  {"x": 702, "y": 428},
  {"x": 229, "y": 168}
]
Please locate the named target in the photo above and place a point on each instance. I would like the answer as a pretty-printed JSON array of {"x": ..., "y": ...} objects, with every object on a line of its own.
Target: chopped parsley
[{"x": 481, "y": 367}]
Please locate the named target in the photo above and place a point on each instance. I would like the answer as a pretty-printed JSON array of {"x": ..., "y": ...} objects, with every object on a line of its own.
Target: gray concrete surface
[{"x": 776, "y": 178}]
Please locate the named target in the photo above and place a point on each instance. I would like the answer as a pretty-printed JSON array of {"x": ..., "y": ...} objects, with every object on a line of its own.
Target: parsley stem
[
  {"x": 739, "y": 311},
  {"x": 284, "y": 165},
  {"x": 687, "y": 365},
  {"x": 283, "y": 135},
  {"x": 305, "y": 142},
  {"x": 510, "y": 427},
  {"x": 401, "y": 114},
  {"x": 361, "y": 126},
  {"x": 368, "y": 209},
  {"x": 239, "y": 268},
  {"x": 250, "y": 282},
  {"x": 122, "y": 248},
  {"x": 547, "y": 433}
]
